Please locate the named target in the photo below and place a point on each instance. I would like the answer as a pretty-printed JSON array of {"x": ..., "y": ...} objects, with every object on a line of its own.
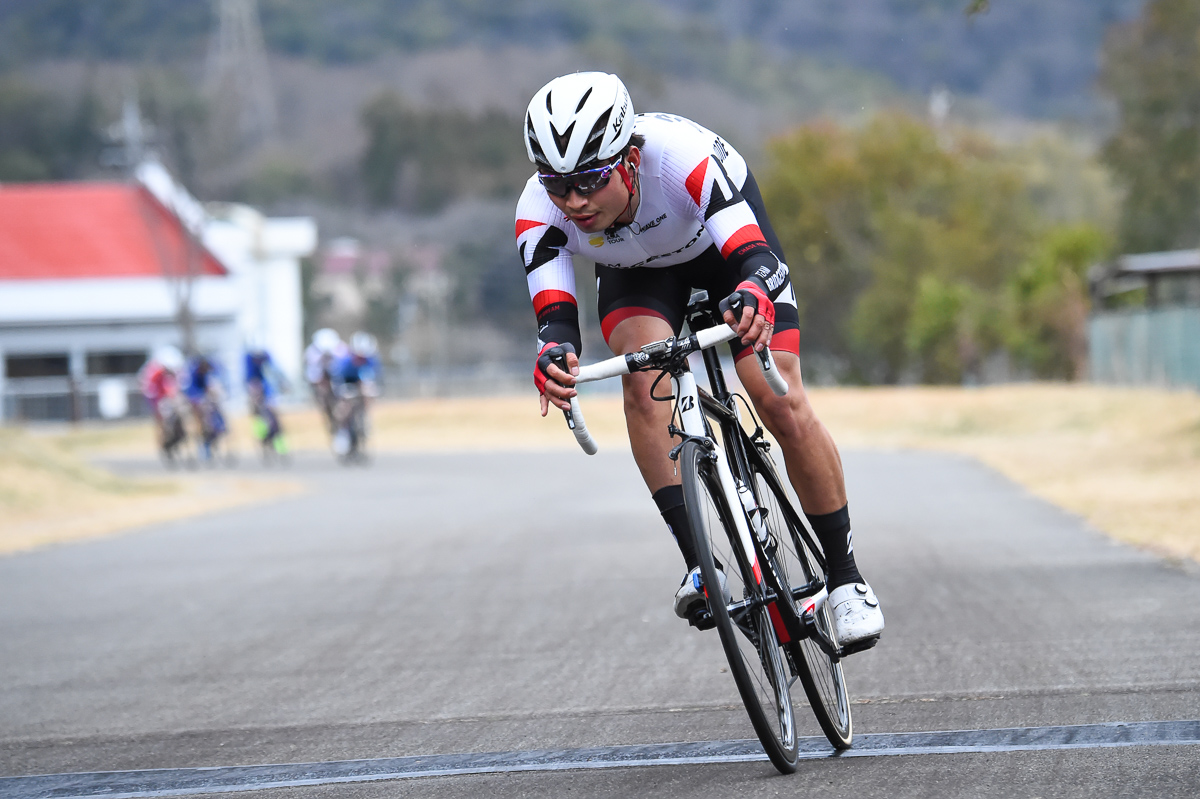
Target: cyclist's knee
[
  {"x": 638, "y": 402},
  {"x": 790, "y": 416}
]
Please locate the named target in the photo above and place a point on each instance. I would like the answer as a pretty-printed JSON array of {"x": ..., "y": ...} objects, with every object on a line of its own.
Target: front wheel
[
  {"x": 800, "y": 564},
  {"x": 756, "y": 659}
]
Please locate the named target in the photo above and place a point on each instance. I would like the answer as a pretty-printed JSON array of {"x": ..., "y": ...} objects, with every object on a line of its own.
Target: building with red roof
[{"x": 94, "y": 276}]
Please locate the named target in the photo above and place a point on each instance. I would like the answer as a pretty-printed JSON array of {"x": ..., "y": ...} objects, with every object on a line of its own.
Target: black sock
[
  {"x": 833, "y": 531},
  {"x": 670, "y": 504}
]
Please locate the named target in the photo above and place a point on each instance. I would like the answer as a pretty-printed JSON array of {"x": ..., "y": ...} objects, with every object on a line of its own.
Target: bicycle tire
[
  {"x": 760, "y": 672},
  {"x": 799, "y": 563}
]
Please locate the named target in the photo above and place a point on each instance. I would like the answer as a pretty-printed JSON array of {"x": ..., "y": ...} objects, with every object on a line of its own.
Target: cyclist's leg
[
  {"x": 813, "y": 464},
  {"x": 636, "y": 307}
]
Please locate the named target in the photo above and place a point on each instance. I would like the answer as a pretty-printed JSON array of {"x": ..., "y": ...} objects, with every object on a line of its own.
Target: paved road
[{"x": 423, "y": 607}]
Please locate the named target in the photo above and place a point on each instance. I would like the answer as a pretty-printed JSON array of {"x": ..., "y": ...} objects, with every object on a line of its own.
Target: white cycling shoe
[
  {"x": 857, "y": 619},
  {"x": 691, "y": 592}
]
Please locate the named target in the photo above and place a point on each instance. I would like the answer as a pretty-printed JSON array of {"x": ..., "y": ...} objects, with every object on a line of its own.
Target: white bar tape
[{"x": 582, "y": 435}]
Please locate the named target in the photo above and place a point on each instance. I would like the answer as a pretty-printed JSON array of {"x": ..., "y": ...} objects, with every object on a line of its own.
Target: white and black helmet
[{"x": 578, "y": 119}]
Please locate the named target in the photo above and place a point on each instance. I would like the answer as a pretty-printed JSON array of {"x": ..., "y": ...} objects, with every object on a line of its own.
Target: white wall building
[{"x": 93, "y": 276}]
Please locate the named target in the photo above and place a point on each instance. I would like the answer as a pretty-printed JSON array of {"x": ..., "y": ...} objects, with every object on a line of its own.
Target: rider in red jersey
[{"x": 683, "y": 213}]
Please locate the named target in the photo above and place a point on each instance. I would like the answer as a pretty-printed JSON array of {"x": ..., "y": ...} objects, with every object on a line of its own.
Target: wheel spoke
[
  {"x": 756, "y": 659},
  {"x": 812, "y": 659}
]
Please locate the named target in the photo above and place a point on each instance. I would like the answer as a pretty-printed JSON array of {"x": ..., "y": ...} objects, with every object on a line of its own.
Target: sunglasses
[{"x": 584, "y": 181}]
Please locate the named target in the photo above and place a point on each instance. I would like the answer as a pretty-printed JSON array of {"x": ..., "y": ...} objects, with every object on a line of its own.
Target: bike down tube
[{"x": 692, "y": 417}]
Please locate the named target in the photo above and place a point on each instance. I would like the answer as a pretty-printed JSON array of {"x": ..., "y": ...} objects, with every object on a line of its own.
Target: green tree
[
  {"x": 44, "y": 138},
  {"x": 905, "y": 244},
  {"x": 421, "y": 160},
  {"x": 1152, "y": 68},
  {"x": 391, "y": 134},
  {"x": 1048, "y": 301}
]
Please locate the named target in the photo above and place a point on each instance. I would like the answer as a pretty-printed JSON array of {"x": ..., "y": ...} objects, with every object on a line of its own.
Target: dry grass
[
  {"x": 1126, "y": 460},
  {"x": 50, "y": 494}
]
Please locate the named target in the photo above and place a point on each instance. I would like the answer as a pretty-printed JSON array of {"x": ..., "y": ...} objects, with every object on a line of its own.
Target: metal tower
[{"x": 237, "y": 80}]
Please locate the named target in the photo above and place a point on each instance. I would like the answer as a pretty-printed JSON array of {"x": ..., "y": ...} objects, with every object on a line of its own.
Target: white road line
[{"x": 227, "y": 779}]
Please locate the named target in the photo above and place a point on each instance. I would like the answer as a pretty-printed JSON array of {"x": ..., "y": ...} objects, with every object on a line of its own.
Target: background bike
[
  {"x": 172, "y": 432},
  {"x": 350, "y": 434},
  {"x": 213, "y": 446},
  {"x": 772, "y": 617},
  {"x": 265, "y": 425}
]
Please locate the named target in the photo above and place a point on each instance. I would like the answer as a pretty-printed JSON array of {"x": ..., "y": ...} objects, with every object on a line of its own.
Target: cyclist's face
[{"x": 600, "y": 209}]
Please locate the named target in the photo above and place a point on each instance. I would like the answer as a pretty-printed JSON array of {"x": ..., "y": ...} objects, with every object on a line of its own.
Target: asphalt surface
[{"x": 511, "y": 603}]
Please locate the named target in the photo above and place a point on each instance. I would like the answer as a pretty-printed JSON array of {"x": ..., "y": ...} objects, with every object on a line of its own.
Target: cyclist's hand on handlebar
[
  {"x": 750, "y": 312},
  {"x": 553, "y": 384}
]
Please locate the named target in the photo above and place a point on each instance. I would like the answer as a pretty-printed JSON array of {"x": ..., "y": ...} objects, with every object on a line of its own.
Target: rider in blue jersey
[
  {"x": 354, "y": 375},
  {"x": 203, "y": 386},
  {"x": 264, "y": 381}
]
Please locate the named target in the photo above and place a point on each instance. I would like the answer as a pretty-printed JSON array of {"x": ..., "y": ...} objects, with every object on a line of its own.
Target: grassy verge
[
  {"x": 1126, "y": 460},
  {"x": 50, "y": 493}
]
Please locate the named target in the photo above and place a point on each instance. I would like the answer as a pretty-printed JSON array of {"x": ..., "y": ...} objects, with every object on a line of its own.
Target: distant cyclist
[
  {"x": 203, "y": 387},
  {"x": 683, "y": 212},
  {"x": 355, "y": 375},
  {"x": 264, "y": 381},
  {"x": 319, "y": 358},
  {"x": 159, "y": 380}
]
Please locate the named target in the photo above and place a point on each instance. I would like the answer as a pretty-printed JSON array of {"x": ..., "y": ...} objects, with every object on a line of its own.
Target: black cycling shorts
[{"x": 664, "y": 291}]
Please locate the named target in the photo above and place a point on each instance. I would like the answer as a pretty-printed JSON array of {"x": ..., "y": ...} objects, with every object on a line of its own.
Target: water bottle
[{"x": 752, "y": 512}]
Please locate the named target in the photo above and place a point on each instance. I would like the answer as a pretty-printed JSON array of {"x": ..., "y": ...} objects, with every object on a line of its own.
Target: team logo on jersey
[
  {"x": 643, "y": 228},
  {"x": 596, "y": 241}
]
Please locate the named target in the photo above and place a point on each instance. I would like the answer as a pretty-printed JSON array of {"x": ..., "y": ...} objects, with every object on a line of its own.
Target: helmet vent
[
  {"x": 562, "y": 139},
  {"x": 583, "y": 100},
  {"x": 591, "y": 150}
]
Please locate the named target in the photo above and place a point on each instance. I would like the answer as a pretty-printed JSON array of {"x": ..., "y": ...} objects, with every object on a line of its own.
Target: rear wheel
[
  {"x": 756, "y": 659},
  {"x": 800, "y": 564}
]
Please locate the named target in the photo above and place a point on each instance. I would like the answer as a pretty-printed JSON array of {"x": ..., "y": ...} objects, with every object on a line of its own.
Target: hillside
[{"x": 1026, "y": 57}]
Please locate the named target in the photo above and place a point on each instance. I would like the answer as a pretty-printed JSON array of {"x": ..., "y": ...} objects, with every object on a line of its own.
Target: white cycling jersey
[{"x": 689, "y": 181}]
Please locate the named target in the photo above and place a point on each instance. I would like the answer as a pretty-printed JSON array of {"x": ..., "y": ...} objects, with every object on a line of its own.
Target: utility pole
[{"x": 237, "y": 81}]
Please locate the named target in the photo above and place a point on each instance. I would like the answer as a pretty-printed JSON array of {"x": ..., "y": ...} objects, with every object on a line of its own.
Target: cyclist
[
  {"x": 683, "y": 212},
  {"x": 159, "y": 380},
  {"x": 326, "y": 347},
  {"x": 202, "y": 387},
  {"x": 263, "y": 382},
  {"x": 354, "y": 376}
]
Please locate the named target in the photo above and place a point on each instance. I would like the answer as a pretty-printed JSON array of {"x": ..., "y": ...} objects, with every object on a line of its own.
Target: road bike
[
  {"x": 213, "y": 444},
  {"x": 772, "y": 618},
  {"x": 265, "y": 425},
  {"x": 172, "y": 433},
  {"x": 350, "y": 435}
]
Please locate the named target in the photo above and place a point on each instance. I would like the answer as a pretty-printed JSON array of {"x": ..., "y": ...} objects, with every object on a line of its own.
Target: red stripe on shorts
[
  {"x": 783, "y": 341},
  {"x": 608, "y": 323}
]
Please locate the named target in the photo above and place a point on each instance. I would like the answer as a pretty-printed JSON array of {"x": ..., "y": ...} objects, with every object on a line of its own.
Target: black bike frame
[{"x": 740, "y": 448}]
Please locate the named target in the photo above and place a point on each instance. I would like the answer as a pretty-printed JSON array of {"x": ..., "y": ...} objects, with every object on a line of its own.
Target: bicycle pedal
[
  {"x": 860, "y": 646},
  {"x": 702, "y": 619}
]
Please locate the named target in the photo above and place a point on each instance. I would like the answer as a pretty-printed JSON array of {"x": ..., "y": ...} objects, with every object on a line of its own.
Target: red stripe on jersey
[
  {"x": 745, "y": 235},
  {"x": 695, "y": 181},
  {"x": 549, "y": 297},
  {"x": 526, "y": 224},
  {"x": 608, "y": 323}
]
